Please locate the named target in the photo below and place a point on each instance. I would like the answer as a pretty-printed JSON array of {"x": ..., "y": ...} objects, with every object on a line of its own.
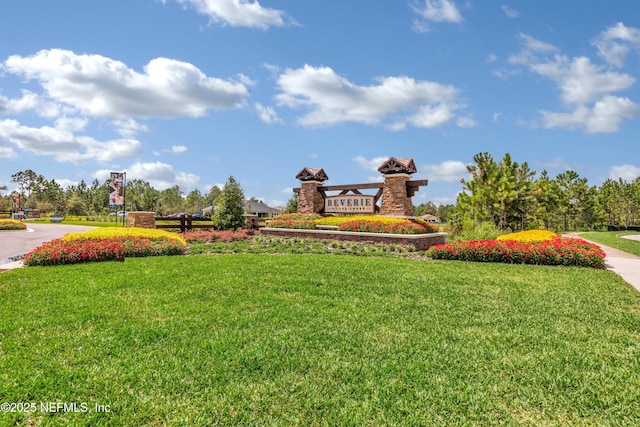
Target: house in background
[
  {"x": 430, "y": 218},
  {"x": 251, "y": 207},
  {"x": 256, "y": 207}
]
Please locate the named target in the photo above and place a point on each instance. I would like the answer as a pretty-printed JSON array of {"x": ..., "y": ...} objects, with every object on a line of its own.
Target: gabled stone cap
[
  {"x": 394, "y": 165},
  {"x": 312, "y": 174}
]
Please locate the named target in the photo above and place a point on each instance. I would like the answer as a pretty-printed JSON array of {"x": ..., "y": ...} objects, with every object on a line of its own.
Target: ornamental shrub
[
  {"x": 295, "y": 221},
  {"x": 110, "y": 244},
  {"x": 209, "y": 236},
  {"x": 12, "y": 224},
  {"x": 557, "y": 251},
  {"x": 109, "y": 232},
  {"x": 529, "y": 236},
  {"x": 59, "y": 251},
  {"x": 337, "y": 220},
  {"x": 400, "y": 226}
]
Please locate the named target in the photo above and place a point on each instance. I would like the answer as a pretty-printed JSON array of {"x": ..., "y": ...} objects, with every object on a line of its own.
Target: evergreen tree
[
  {"x": 229, "y": 212},
  {"x": 292, "y": 204}
]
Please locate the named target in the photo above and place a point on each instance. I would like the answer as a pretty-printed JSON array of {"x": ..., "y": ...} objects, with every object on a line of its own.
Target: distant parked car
[
  {"x": 177, "y": 215},
  {"x": 199, "y": 216},
  {"x": 55, "y": 218}
]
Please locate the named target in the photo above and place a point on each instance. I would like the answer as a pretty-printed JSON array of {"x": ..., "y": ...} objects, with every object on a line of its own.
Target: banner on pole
[{"x": 116, "y": 193}]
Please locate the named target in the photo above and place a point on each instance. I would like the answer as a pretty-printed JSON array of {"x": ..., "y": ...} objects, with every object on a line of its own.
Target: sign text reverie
[{"x": 351, "y": 203}]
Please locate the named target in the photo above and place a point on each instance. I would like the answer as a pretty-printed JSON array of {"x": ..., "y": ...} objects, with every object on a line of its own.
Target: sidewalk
[{"x": 622, "y": 263}]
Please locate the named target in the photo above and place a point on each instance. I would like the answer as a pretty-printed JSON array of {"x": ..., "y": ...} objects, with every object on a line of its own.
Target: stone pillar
[
  {"x": 310, "y": 200},
  {"x": 141, "y": 219},
  {"x": 395, "y": 200}
]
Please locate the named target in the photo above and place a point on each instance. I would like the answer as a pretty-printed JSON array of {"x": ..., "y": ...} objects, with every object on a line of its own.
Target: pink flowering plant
[{"x": 557, "y": 251}]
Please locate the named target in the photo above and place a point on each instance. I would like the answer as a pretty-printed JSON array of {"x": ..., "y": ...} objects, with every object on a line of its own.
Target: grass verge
[
  {"x": 323, "y": 340},
  {"x": 612, "y": 239}
]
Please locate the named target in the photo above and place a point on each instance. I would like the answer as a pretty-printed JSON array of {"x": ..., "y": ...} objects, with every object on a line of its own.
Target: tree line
[
  {"x": 37, "y": 192},
  {"x": 511, "y": 197},
  {"x": 504, "y": 194}
]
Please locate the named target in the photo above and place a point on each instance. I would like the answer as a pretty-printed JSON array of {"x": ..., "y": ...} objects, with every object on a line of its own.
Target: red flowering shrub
[
  {"x": 403, "y": 227},
  {"x": 226, "y": 236},
  {"x": 60, "y": 251},
  {"x": 558, "y": 251}
]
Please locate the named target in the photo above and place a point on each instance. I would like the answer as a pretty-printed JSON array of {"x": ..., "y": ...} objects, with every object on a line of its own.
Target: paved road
[{"x": 20, "y": 242}]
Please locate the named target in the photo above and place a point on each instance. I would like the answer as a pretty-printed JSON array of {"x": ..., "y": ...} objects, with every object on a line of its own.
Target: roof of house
[{"x": 257, "y": 206}]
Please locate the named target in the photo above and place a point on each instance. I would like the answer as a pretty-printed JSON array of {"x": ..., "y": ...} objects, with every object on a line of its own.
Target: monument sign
[
  {"x": 350, "y": 203},
  {"x": 395, "y": 192}
]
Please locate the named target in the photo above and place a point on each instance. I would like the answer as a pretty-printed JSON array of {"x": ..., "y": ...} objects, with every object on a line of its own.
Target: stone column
[
  {"x": 309, "y": 198},
  {"x": 141, "y": 219},
  {"x": 395, "y": 201}
]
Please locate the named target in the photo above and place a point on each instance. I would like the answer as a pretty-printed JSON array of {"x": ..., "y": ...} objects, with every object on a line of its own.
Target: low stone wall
[
  {"x": 141, "y": 219},
  {"x": 418, "y": 241}
]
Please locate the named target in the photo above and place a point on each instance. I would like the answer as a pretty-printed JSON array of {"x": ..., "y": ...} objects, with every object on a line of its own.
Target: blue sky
[{"x": 189, "y": 92}]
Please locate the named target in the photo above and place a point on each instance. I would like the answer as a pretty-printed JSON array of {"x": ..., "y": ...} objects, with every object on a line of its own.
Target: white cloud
[
  {"x": 29, "y": 102},
  {"x": 605, "y": 117},
  {"x": 71, "y": 124},
  {"x": 103, "y": 87},
  {"x": 437, "y": 10},
  {"x": 466, "y": 122},
  {"x": 511, "y": 13},
  {"x": 580, "y": 80},
  {"x": 129, "y": 128},
  {"x": 627, "y": 172},
  {"x": 447, "y": 171},
  {"x": 395, "y": 102},
  {"x": 6, "y": 152},
  {"x": 267, "y": 114},
  {"x": 64, "y": 145},
  {"x": 557, "y": 163},
  {"x": 160, "y": 175},
  {"x": 586, "y": 88},
  {"x": 178, "y": 149},
  {"x": 66, "y": 183},
  {"x": 238, "y": 13},
  {"x": 370, "y": 164},
  {"x": 536, "y": 45},
  {"x": 615, "y": 42}
]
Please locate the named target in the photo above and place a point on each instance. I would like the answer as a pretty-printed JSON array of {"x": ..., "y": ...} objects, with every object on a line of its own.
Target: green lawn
[
  {"x": 319, "y": 340},
  {"x": 610, "y": 238}
]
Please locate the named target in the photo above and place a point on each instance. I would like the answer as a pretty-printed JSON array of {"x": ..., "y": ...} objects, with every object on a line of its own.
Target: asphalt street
[{"x": 20, "y": 242}]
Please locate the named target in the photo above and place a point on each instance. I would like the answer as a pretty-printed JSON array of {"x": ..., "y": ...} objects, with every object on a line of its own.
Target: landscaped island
[{"x": 362, "y": 228}]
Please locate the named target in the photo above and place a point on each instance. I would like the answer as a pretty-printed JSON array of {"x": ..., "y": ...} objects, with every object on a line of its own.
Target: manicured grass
[
  {"x": 320, "y": 340},
  {"x": 610, "y": 238}
]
